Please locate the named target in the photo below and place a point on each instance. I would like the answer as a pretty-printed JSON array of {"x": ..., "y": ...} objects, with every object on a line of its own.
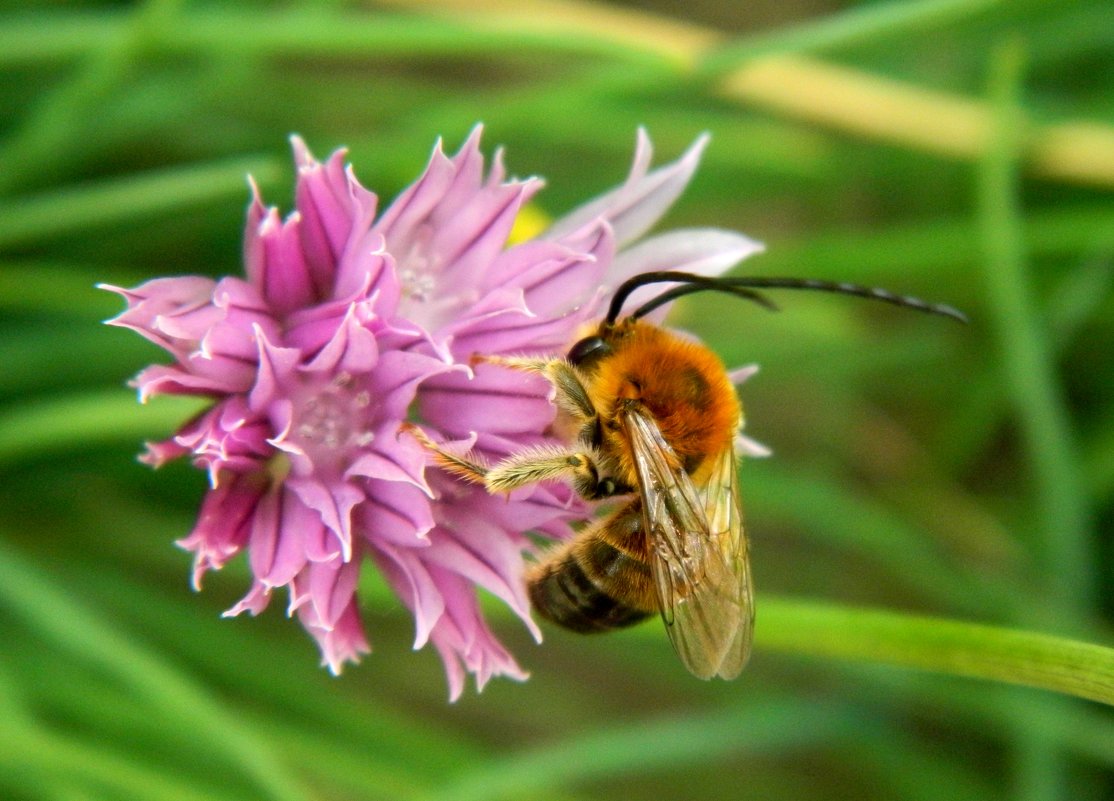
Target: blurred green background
[{"x": 960, "y": 151}]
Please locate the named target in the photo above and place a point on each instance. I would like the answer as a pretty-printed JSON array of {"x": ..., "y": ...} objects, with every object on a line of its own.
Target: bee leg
[
  {"x": 539, "y": 464},
  {"x": 571, "y": 396},
  {"x": 520, "y": 469},
  {"x": 467, "y": 467}
]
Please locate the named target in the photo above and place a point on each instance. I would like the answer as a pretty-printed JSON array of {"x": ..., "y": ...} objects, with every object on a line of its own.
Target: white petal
[{"x": 631, "y": 209}]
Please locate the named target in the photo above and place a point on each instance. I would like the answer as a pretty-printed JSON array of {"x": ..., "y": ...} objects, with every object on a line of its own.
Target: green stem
[
  {"x": 305, "y": 32},
  {"x": 863, "y": 24},
  {"x": 56, "y": 758},
  {"x": 95, "y": 417},
  {"x": 34, "y": 597},
  {"x": 1026, "y": 354},
  {"x": 53, "y": 128},
  {"x": 129, "y": 199},
  {"x": 943, "y": 646},
  {"x": 626, "y": 750}
]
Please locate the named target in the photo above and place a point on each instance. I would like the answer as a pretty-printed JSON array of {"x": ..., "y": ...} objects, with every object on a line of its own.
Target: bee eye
[{"x": 588, "y": 350}]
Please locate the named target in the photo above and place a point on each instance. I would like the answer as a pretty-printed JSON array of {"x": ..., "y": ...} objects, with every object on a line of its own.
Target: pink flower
[{"x": 347, "y": 321}]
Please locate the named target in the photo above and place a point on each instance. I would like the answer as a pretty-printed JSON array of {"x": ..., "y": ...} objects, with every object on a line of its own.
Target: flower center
[
  {"x": 418, "y": 268},
  {"x": 417, "y": 283},
  {"x": 332, "y": 420},
  {"x": 430, "y": 297}
]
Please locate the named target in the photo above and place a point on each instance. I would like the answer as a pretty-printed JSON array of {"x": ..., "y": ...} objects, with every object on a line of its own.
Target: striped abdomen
[{"x": 591, "y": 585}]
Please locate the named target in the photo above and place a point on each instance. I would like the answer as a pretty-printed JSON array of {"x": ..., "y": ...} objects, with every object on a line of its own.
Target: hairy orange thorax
[{"x": 682, "y": 383}]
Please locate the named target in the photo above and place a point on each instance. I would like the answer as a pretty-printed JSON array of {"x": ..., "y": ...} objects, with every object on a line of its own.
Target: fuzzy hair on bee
[{"x": 654, "y": 420}]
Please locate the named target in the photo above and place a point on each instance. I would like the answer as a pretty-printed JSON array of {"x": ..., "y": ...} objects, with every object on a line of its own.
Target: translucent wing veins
[{"x": 698, "y": 551}]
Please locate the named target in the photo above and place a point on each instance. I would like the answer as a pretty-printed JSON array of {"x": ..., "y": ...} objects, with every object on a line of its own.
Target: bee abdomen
[{"x": 577, "y": 590}]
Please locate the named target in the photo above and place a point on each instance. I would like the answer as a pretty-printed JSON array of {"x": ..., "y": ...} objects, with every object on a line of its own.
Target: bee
[{"x": 655, "y": 419}]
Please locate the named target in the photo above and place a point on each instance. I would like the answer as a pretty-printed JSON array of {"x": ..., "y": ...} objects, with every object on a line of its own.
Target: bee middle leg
[
  {"x": 553, "y": 462},
  {"x": 527, "y": 467}
]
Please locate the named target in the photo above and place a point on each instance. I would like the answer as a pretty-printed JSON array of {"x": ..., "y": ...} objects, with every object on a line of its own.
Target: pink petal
[
  {"x": 512, "y": 333},
  {"x": 334, "y": 503},
  {"x": 242, "y": 302},
  {"x": 174, "y": 313},
  {"x": 448, "y": 226},
  {"x": 334, "y": 208},
  {"x": 421, "y": 594},
  {"x": 497, "y": 302},
  {"x": 352, "y": 349},
  {"x": 634, "y": 207},
  {"x": 156, "y": 454},
  {"x": 400, "y": 221},
  {"x": 254, "y": 255},
  {"x": 276, "y": 365},
  {"x": 398, "y": 459},
  {"x": 476, "y": 233},
  {"x": 545, "y": 504},
  {"x": 397, "y": 377},
  {"x": 276, "y": 546},
  {"x": 227, "y": 437},
  {"x": 557, "y": 277},
  {"x": 485, "y": 556},
  {"x": 280, "y": 412},
  {"x": 311, "y": 329},
  {"x": 321, "y": 542},
  {"x": 496, "y": 400},
  {"x": 463, "y": 639},
  {"x": 740, "y": 375},
  {"x": 332, "y": 587},
  {"x": 160, "y": 379},
  {"x": 394, "y": 514},
  {"x": 257, "y": 599},
  {"x": 745, "y": 446},
  {"x": 365, "y": 267},
  {"x": 224, "y": 524},
  {"x": 275, "y": 263},
  {"x": 343, "y": 642}
]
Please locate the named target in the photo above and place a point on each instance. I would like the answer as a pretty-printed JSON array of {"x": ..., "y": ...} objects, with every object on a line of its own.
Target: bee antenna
[
  {"x": 843, "y": 288},
  {"x": 687, "y": 289},
  {"x": 689, "y": 282},
  {"x": 745, "y": 286}
]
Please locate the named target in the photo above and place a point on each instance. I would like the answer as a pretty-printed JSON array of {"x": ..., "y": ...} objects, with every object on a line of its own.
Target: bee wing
[
  {"x": 730, "y": 582},
  {"x": 698, "y": 553}
]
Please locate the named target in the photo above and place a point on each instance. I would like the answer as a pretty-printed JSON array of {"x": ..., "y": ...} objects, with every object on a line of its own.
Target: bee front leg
[
  {"x": 524, "y": 468},
  {"x": 571, "y": 397}
]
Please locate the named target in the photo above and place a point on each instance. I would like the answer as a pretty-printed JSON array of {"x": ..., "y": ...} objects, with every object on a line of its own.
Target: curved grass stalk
[
  {"x": 654, "y": 745},
  {"x": 952, "y": 647},
  {"x": 1025, "y": 352}
]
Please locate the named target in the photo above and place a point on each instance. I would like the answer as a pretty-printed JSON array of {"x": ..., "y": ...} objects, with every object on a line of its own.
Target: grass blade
[{"x": 943, "y": 646}]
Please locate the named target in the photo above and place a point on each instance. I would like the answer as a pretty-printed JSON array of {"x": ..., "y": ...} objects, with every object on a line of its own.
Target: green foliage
[{"x": 942, "y": 496}]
